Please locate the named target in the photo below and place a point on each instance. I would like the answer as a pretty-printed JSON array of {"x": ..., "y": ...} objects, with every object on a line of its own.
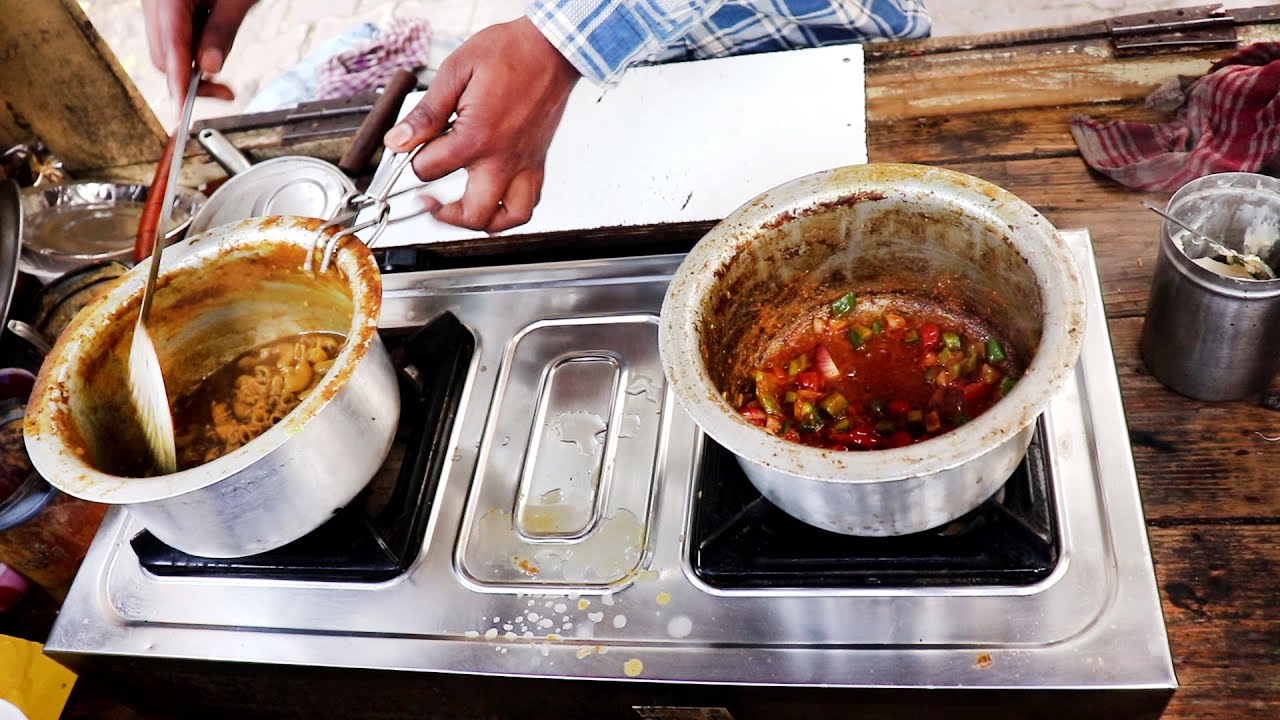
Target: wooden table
[{"x": 997, "y": 107}]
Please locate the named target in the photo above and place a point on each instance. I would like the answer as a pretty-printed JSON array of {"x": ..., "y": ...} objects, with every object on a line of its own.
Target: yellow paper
[{"x": 34, "y": 683}]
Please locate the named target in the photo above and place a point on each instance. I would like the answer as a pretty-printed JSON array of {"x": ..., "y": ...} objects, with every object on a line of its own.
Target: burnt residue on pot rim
[
  {"x": 52, "y": 437},
  {"x": 1037, "y": 244}
]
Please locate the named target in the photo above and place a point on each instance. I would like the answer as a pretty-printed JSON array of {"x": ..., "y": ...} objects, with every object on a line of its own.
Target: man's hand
[
  {"x": 171, "y": 28},
  {"x": 508, "y": 86}
]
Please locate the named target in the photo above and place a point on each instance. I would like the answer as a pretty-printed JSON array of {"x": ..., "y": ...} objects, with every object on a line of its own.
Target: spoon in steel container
[
  {"x": 1254, "y": 265},
  {"x": 146, "y": 381}
]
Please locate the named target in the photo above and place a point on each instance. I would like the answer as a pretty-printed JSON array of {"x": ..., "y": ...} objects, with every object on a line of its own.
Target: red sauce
[{"x": 883, "y": 377}]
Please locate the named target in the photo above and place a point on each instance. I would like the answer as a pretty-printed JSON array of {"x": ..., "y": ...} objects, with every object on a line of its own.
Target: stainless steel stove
[{"x": 569, "y": 520}]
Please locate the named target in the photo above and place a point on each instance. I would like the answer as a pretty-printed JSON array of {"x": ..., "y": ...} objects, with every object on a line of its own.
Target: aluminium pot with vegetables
[
  {"x": 285, "y": 400},
  {"x": 875, "y": 343}
]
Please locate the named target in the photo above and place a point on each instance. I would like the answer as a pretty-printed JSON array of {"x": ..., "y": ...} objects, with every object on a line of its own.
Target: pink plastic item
[{"x": 13, "y": 586}]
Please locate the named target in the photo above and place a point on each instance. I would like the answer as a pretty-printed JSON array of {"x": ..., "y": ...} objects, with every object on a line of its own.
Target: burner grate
[
  {"x": 741, "y": 540},
  {"x": 380, "y": 534}
]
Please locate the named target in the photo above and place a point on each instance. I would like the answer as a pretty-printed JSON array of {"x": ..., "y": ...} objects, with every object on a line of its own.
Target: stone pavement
[{"x": 277, "y": 33}]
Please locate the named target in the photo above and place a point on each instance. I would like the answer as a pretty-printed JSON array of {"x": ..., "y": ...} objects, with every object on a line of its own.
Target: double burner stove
[
  {"x": 739, "y": 539},
  {"x": 549, "y": 511}
]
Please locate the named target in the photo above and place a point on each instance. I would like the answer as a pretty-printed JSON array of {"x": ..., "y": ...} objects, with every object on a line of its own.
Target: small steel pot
[
  {"x": 925, "y": 231},
  {"x": 1207, "y": 336},
  {"x": 219, "y": 294}
]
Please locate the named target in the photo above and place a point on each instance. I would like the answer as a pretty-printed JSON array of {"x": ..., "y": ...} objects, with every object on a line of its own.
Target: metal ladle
[
  {"x": 1254, "y": 265},
  {"x": 146, "y": 381}
]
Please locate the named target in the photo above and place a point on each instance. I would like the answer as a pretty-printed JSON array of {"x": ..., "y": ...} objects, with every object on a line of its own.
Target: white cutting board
[{"x": 679, "y": 143}]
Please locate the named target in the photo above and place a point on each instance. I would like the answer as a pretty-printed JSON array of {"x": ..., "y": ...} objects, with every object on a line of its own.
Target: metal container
[
  {"x": 219, "y": 294},
  {"x": 1208, "y": 336},
  {"x": 875, "y": 228},
  {"x": 76, "y": 224},
  {"x": 10, "y": 244}
]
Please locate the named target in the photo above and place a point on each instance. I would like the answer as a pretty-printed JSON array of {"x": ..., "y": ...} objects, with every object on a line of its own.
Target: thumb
[{"x": 431, "y": 115}]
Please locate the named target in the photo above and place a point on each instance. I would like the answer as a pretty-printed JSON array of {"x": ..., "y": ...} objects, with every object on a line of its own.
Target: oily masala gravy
[
  {"x": 241, "y": 400},
  {"x": 878, "y": 376}
]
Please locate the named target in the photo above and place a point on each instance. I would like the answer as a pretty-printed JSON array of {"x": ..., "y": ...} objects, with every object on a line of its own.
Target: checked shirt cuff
[{"x": 601, "y": 38}]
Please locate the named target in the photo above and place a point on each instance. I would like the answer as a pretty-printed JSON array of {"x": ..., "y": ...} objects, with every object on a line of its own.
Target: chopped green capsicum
[
  {"x": 995, "y": 353},
  {"x": 844, "y": 304}
]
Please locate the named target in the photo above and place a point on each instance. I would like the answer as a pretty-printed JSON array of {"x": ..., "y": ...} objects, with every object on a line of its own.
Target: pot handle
[
  {"x": 357, "y": 203},
  {"x": 222, "y": 151},
  {"x": 381, "y": 117},
  {"x": 31, "y": 335},
  {"x": 146, "y": 238}
]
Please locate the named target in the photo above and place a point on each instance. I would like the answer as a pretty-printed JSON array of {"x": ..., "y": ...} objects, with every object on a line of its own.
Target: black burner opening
[
  {"x": 741, "y": 540},
  {"x": 380, "y": 534}
]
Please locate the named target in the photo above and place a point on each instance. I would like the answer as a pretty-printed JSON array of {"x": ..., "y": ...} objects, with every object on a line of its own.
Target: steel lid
[{"x": 291, "y": 185}]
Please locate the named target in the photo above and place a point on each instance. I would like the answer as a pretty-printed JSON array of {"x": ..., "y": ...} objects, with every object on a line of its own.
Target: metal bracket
[
  {"x": 1195, "y": 28},
  {"x": 323, "y": 118}
]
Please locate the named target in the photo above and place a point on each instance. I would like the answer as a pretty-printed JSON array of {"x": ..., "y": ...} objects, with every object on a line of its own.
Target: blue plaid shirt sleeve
[{"x": 604, "y": 37}]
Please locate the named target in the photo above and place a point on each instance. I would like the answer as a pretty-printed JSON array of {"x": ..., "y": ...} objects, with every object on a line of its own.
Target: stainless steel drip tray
[{"x": 557, "y": 544}]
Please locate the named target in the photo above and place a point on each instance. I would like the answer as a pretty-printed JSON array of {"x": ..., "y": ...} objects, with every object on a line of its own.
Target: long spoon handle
[{"x": 178, "y": 142}]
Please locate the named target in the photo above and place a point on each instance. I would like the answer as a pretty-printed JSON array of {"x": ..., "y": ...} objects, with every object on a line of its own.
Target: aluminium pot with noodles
[{"x": 285, "y": 401}]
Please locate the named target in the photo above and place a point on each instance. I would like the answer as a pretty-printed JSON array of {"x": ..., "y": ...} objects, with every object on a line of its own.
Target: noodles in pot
[{"x": 247, "y": 396}]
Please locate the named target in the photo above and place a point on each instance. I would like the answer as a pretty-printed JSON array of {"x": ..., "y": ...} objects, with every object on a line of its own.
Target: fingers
[
  {"x": 444, "y": 154},
  {"x": 429, "y": 118},
  {"x": 518, "y": 202},
  {"x": 170, "y": 24},
  {"x": 479, "y": 203},
  {"x": 215, "y": 90},
  {"x": 480, "y": 209},
  {"x": 220, "y": 32}
]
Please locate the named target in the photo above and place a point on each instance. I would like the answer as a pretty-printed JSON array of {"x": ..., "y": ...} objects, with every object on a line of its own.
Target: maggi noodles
[{"x": 244, "y": 398}]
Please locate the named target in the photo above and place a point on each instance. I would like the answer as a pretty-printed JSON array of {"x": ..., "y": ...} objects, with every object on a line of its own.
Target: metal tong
[{"x": 354, "y": 203}]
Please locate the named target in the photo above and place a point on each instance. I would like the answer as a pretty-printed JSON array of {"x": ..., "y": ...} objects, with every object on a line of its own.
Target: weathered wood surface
[
  {"x": 60, "y": 82},
  {"x": 1210, "y": 480}
]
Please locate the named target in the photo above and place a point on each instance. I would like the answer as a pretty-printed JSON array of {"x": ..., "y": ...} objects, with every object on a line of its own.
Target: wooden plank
[
  {"x": 1044, "y": 75},
  {"x": 1248, "y": 21},
  {"x": 1196, "y": 461},
  {"x": 1015, "y": 79},
  {"x": 61, "y": 83},
  {"x": 1222, "y": 611},
  {"x": 1030, "y": 133}
]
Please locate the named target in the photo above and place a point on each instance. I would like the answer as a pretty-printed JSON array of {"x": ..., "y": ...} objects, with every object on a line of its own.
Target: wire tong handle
[{"x": 354, "y": 203}]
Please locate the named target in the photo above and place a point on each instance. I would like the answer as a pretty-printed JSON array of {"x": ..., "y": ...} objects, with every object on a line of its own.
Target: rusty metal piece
[
  {"x": 1184, "y": 29},
  {"x": 326, "y": 118}
]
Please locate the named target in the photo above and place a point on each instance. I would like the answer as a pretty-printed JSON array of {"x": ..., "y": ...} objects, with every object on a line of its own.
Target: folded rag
[
  {"x": 1228, "y": 120},
  {"x": 402, "y": 43}
]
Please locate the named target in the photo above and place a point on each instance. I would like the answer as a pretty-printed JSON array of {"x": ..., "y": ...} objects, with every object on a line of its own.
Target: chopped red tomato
[
  {"x": 876, "y": 379},
  {"x": 809, "y": 380},
  {"x": 898, "y": 409},
  {"x": 930, "y": 335}
]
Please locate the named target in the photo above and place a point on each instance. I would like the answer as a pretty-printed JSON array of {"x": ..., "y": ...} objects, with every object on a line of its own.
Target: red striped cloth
[
  {"x": 1228, "y": 120},
  {"x": 403, "y": 43}
]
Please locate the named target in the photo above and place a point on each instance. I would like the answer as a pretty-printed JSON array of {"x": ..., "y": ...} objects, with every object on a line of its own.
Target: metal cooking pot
[
  {"x": 219, "y": 294},
  {"x": 874, "y": 228}
]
